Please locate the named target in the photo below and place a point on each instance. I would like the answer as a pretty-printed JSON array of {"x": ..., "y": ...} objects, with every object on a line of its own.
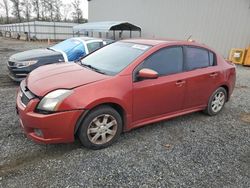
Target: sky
[{"x": 84, "y": 7}]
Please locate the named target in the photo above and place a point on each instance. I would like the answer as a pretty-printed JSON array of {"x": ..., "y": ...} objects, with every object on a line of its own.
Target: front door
[{"x": 155, "y": 97}]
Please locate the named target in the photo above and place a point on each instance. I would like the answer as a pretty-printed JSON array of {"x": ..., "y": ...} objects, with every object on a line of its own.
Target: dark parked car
[
  {"x": 120, "y": 87},
  {"x": 21, "y": 64}
]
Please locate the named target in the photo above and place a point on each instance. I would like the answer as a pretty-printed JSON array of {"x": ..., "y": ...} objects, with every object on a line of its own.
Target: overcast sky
[{"x": 84, "y": 7}]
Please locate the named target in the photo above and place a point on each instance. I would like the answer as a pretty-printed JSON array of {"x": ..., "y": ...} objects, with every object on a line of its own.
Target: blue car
[{"x": 70, "y": 50}]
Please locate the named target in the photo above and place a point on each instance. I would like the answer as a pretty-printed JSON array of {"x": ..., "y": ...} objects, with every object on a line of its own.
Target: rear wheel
[
  {"x": 216, "y": 102},
  {"x": 101, "y": 127}
]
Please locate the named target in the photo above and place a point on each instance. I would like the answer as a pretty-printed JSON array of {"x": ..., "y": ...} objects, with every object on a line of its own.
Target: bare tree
[
  {"x": 6, "y": 7},
  {"x": 17, "y": 9},
  {"x": 53, "y": 9},
  {"x": 57, "y": 9},
  {"x": 43, "y": 9},
  {"x": 36, "y": 8},
  {"x": 46, "y": 10},
  {"x": 66, "y": 8},
  {"x": 26, "y": 5},
  {"x": 50, "y": 6},
  {"x": 77, "y": 13},
  {"x": 1, "y": 21}
]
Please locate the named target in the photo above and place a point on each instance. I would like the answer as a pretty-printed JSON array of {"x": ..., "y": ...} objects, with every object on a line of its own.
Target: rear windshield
[
  {"x": 73, "y": 48},
  {"x": 66, "y": 45},
  {"x": 113, "y": 58}
]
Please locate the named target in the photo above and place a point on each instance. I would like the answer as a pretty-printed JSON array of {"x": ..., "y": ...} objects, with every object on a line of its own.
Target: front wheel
[
  {"x": 101, "y": 127},
  {"x": 216, "y": 102}
]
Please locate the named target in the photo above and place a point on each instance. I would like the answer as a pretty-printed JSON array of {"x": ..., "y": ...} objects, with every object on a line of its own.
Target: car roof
[
  {"x": 87, "y": 38},
  {"x": 151, "y": 42},
  {"x": 156, "y": 42}
]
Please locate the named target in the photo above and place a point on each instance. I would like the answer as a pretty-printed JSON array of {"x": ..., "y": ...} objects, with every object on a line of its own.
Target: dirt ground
[{"x": 189, "y": 151}]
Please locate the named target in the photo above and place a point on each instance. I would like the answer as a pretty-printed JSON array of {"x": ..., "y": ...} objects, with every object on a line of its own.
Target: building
[
  {"x": 38, "y": 30},
  {"x": 221, "y": 24}
]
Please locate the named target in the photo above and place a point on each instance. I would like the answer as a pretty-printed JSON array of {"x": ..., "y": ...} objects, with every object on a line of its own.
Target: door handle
[
  {"x": 214, "y": 74},
  {"x": 179, "y": 83}
]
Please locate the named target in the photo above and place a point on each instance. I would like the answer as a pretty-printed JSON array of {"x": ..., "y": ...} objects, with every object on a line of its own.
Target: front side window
[
  {"x": 166, "y": 61},
  {"x": 93, "y": 46},
  {"x": 196, "y": 58}
]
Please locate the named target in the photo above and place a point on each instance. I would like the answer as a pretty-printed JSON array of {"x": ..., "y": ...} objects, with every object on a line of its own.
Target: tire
[
  {"x": 216, "y": 102},
  {"x": 100, "y": 128}
]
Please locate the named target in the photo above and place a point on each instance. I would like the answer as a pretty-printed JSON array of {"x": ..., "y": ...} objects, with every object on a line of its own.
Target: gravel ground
[{"x": 189, "y": 151}]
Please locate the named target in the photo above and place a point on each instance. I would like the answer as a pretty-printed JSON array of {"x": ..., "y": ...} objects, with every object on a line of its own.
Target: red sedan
[{"x": 122, "y": 86}]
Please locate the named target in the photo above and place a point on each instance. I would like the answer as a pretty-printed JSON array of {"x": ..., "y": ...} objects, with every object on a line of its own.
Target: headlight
[
  {"x": 52, "y": 100},
  {"x": 25, "y": 63}
]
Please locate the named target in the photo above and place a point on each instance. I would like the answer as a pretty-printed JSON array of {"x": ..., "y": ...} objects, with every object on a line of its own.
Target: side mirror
[{"x": 147, "y": 74}]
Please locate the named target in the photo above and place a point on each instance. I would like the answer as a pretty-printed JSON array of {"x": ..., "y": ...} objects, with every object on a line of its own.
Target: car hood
[
  {"x": 32, "y": 54},
  {"x": 60, "y": 76}
]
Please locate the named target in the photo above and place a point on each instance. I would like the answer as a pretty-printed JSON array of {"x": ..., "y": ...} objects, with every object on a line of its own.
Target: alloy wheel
[
  {"x": 102, "y": 129},
  {"x": 218, "y": 101}
]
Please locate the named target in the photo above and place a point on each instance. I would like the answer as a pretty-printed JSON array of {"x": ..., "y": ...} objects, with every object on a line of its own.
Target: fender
[{"x": 106, "y": 101}]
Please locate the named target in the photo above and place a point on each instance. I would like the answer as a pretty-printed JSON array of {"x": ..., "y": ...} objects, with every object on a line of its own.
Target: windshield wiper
[{"x": 92, "y": 68}]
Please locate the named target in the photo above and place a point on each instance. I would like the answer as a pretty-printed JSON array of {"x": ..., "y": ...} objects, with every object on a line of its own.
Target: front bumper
[
  {"x": 18, "y": 74},
  {"x": 56, "y": 128}
]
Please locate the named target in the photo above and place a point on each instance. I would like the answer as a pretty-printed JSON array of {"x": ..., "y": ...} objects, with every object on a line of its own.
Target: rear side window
[
  {"x": 165, "y": 61},
  {"x": 196, "y": 58},
  {"x": 212, "y": 59}
]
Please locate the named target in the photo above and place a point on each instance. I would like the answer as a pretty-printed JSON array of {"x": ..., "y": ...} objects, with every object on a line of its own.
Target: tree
[
  {"x": 57, "y": 9},
  {"x": 77, "y": 13},
  {"x": 1, "y": 21},
  {"x": 36, "y": 8},
  {"x": 6, "y": 6},
  {"x": 43, "y": 10},
  {"x": 66, "y": 11},
  {"x": 50, "y": 10},
  {"x": 17, "y": 9},
  {"x": 50, "y": 6},
  {"x": 26, "y": 5}
]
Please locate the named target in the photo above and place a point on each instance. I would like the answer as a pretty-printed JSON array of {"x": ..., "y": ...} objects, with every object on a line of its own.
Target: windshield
[{"x": 115, "y": 57}]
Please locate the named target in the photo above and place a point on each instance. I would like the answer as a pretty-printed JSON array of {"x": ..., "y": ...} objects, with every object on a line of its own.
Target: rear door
[
  {"x": 155, "y": 97},
  {"x": 202, "y": 75}
]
